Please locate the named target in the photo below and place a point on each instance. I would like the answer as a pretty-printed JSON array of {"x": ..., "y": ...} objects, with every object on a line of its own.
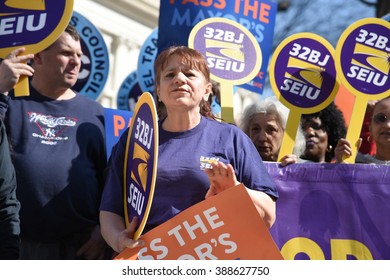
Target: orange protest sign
[{"x": 226, "y": 226}]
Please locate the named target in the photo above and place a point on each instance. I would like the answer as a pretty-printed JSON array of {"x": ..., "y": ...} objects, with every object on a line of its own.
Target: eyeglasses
[{"x": 380, "y": 119}]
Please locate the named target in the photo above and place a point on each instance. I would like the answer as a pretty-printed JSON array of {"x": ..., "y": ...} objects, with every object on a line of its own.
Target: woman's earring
[
  {"x": 369, "y": 139},
  {"x": 329, "y": 149}
]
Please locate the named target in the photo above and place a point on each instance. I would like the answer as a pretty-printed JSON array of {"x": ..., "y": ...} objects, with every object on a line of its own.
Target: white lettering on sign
[
  {"x": 227, "y": 65},
  {"x": 14, "y": 25},
  {"x": 144, "y": 133},
  {"x": 199, "y": 224},
  {"x": 372, "y": 39},
  {"x": 205, "y": 222},
  {"x": 300, "y": 89},
  {"x": 222, "y": 35},
  {"x": 308, "y": 54},
  {"x": 366, "y": 75},
  {"x": 135, "y": 199}
]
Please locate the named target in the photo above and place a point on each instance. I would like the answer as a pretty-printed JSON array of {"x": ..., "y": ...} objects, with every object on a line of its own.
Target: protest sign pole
[
  {"x": 303, "y": 78},
  {"x": 232, "y": 53},
  {"x": 362, "y": 64}
]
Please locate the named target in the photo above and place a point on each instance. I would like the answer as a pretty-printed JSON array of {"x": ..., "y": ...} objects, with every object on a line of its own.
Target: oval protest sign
[
  {"x": 232, "y": 53},
  {"x": 95, "y": 61},
  {"x": 362, "y": 62},
  {"x": 140, "y": 165},
  {"x": 33, "y": 24},
  {"x": 362, "y": 58},
  {"x": 304, "y": 73},
  {"x": 303, "y": 77}
]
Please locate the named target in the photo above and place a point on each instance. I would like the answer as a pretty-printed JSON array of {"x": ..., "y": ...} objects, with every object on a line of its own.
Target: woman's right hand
[
  {"x": 125, "y": 238},
  {"x": 114, "y": 232},
  {"x": 343, "y": 148},
  {"x": 288, "y": 159}
]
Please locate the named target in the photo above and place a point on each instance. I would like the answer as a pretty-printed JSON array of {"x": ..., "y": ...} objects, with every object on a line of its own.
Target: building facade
[{"x": 124, "y": 25}]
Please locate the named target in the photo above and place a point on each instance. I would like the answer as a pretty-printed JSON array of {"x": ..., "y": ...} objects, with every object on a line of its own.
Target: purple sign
[
  {"x": 303, "y": 71},
  {"x": 364, "y": 51},
  {"x": 24, "y": 23},
  {"x": 141, "y": 162},
  {"x": 231, "y": 52}
]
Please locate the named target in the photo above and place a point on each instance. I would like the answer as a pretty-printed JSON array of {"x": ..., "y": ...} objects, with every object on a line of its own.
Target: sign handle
[
  {"x": 227, "y": 112},
  {"x": 355, "y": 126},
  {"x": 21, "y": 88},
  {"x": 292, "y": 124}
]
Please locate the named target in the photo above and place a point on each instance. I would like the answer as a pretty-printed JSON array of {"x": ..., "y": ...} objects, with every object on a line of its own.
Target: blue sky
[{"x": 327, "y": 18}]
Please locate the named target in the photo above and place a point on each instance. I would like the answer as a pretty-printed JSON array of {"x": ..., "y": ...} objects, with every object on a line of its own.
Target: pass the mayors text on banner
[
  {"x": 332, "y": 211},
  {"x": 178, "y": 17}
]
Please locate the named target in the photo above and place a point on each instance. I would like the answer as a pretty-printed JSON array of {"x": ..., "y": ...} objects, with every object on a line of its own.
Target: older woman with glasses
[{"x": 379, "y": 132}]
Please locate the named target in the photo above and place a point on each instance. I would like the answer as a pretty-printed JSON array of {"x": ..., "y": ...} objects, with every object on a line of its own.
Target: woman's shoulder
[
  {"x": 224, "y": 127},
  {"x": 367, "y": 158}
]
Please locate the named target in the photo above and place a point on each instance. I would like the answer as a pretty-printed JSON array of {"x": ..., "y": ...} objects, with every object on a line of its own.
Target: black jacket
[{"x": 9, "y": 205}]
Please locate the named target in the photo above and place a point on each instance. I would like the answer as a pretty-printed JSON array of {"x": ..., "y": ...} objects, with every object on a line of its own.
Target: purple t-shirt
[{"x": 180, "y": 181}]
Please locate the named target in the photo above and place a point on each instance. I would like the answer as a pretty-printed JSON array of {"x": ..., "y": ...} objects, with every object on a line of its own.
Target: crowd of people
[{"x": 61, "y": 198}]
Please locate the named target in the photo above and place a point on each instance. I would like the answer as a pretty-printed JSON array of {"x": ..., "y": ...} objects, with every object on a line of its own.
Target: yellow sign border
[
  {"x": 259, "y": 54},
  {"x": 50, "y": 39},
  {"x": 339, "y": 46},
  {"x": 145, "y": 98},
  {"x": 328, "y": 46}
]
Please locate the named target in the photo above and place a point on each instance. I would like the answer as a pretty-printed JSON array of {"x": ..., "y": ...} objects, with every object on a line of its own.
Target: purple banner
[{"x": 332, "y": 211}]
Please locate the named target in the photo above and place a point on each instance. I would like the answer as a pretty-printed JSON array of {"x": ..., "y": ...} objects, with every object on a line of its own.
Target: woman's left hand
[{"x": 221, "y": 177}]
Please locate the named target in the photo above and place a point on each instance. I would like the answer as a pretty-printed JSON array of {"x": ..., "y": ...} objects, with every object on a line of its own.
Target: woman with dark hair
[
  {"x": 188, "y": 132},
  {"x": 322, "y": 131}
]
